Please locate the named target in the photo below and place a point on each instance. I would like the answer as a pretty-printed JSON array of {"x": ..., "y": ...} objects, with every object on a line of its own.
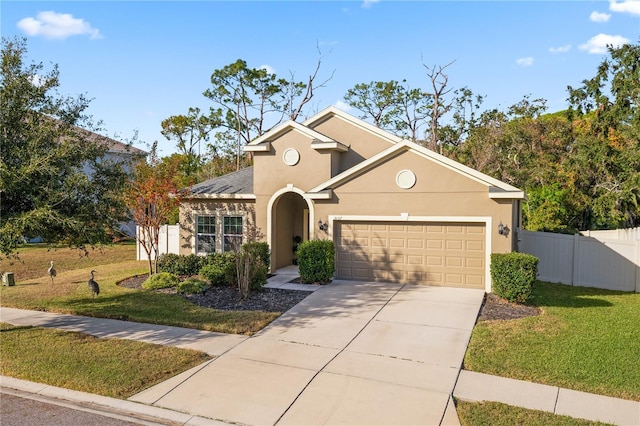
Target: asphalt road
[{"x": 21, "y": 409}]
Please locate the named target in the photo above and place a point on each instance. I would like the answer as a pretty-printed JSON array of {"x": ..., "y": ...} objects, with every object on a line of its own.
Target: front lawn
[
  {"x": 110, "y": 367},
  {"x": 586, "y": 339},
  {"x": 498, "y": 414},
  {"x": 70, "y": 294}
]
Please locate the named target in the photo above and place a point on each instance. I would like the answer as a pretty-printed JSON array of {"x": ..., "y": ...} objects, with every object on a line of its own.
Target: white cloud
[
  {"x": 598, "y": 44},
  {"x": 599, "y": 17},
  {"x": 38, "y": 80},
  {"x": 626, "y": 6},
  {"x": 55, "y": 25},
  {"x": 525, "y": 62},
  {"x": 366, "y": 4},
  {"x": 341, "y": 105},
  {"x": 560, "y": 49},
  {"x": 267, "y": 68}
]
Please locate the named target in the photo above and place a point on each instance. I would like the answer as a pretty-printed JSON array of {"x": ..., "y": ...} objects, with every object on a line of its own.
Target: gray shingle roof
[{"x": 240, "y": 182}]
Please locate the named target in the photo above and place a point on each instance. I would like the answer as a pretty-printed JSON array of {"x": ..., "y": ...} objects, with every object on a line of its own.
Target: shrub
[
  {"x": 260, "y": 250},
  {"x": 513, "y": 275},
  {"x": 219, "y": 269},
  {"x": 316, "y": 260},
  {"x": 161, "y": 280},
  {"x": 193, "y": 286},
  {"x": 180, "y": 264}
]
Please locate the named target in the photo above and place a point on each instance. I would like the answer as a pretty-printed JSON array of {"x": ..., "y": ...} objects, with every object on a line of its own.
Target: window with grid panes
[
  {"x": 206, "y": 234},
  {"x": 231, "y": 232}
]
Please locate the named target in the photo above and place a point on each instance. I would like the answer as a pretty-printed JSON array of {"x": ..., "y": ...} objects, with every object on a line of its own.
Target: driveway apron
[{"x": 350, "y": 353}]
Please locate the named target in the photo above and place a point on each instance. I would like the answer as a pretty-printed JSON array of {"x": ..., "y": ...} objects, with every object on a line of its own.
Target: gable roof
[
  {"x": 261, "y": 143},
  {"x": 495, "y": 187},
  {"x": 238, "y": 184}
]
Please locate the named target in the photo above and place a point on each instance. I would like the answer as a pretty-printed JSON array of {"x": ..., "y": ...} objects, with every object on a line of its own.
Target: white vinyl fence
[
  {"x": 168, "y": 241},
  {"x": 604, "y": 259}
]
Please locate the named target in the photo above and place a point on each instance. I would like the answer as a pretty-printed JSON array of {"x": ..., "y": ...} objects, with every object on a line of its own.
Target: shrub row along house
[{"x": 395, "y": 210}]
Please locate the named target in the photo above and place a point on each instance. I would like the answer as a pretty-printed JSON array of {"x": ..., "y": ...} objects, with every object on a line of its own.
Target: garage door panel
[
  {"x": 454, "y": 262},
  {"x": 415, "y": 243},
  {"x": 432, "y": 253},
  {"x": 397, "y": 242},
  {"x": 454, "y": 244},
  {"x": 475, "y": 245}
]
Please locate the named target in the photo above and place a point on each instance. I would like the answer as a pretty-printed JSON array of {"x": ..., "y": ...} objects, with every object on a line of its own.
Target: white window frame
[
  {"x": 216, "y": 239},
  {"x": 224, "y": 234}
]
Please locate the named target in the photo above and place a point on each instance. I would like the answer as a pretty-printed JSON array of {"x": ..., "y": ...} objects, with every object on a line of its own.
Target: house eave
[
  {"x": 501, "y": 193},
  {"x": 321, "y": 195},
  {"x": 332, "y": 146},
  {"x": 263, "y": 147}
]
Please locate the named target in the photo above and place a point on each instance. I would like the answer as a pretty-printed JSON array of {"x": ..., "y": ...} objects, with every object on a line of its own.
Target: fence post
[
  {"x": 637, "y": 265},
  {"x": 575, "y": 262}
]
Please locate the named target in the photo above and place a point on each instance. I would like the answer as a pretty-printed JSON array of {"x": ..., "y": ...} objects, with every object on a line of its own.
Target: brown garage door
[{"x": 444, "y": 254}]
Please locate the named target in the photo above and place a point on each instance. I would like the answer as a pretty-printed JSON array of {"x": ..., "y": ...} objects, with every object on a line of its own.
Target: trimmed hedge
[
  {"x": 161, "y": 280},
  {"x": 219, "y": 269},
  {"x": 181, "y": 264},
  {"x": 513, "y": 275},
  {"x": 316, "y": 261}
]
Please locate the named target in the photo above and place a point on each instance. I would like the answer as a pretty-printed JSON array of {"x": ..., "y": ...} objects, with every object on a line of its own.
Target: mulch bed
[
  {"x": 228, "y": 298},
  {"x": 279, "y": 300},
  {"x": 496, "y": 308}
]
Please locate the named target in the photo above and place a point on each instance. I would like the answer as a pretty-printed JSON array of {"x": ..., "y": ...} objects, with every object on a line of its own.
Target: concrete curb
[{"x": 111, "y": 407}]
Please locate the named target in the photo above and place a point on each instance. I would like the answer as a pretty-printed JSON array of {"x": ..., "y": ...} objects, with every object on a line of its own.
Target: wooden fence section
[{"x": 591, "y": 261}]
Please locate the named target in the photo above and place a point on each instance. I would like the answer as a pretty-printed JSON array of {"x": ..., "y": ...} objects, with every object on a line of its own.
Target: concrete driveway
[{"x": 350, "y": 353}]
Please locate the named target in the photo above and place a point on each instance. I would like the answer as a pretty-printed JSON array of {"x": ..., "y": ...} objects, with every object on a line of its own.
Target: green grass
[
  {"x": 498, "y": 414},
  {"x": 587, "y": 339},
  {"x": 70, "y": 294},
  {"x": 109, "y": 367}
]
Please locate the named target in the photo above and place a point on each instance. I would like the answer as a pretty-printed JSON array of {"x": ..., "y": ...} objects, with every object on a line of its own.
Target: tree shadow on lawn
[{"x": 566, "y": 296}]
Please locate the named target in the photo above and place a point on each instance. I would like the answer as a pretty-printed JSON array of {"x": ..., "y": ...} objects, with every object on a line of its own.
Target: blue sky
[{"x": 144, "y": 61}]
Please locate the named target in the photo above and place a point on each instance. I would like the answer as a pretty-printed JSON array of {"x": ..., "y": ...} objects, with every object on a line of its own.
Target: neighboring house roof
[
  {"x": 237, "y": 184},
  {"x": 497, "y": 188},
  {"x": 112, "y": 145}
]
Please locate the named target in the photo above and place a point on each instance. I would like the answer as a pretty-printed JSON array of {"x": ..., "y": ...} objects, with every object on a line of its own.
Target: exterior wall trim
[{"x": 406, "y": 217}]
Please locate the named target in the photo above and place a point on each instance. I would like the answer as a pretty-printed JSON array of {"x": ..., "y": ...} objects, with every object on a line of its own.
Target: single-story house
[{"x": 395, "y": 210}]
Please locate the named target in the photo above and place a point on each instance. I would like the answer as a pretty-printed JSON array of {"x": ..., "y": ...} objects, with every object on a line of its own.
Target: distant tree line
[{"x": 580, "y": 167}]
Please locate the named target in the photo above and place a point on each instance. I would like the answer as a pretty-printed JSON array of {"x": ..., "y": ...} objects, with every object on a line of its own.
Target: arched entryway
[{"x": 291, "y": 214}]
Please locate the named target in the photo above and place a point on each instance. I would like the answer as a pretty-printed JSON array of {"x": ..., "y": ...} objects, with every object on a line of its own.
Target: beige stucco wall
[
  {"x": 438, "y": 192},
  {"x": 189, "y": 209},
  {"x": 362, "y": 143},
  {"x": 272, "y": 174}
]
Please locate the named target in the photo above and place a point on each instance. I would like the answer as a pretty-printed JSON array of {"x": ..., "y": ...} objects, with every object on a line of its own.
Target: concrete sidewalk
[{"x": 479, "y": 387}]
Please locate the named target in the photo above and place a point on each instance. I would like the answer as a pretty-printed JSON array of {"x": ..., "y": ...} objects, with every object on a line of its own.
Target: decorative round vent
[
  {"x": 291, "y": 157},
  {"x": 405, "y": 179}
]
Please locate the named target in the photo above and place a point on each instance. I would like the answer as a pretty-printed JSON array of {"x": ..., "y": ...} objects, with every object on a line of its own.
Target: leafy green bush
[
  {"x": 161, "y": 280},
  {"x": 316, "y": 260},
  {"x": 193, "y": 286},
  {"x": 260, "y": 250},
  {"x": 180, "y": 264},
  {"x": 513, "y": 275},
  {"x": 219, "y": 269}
]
